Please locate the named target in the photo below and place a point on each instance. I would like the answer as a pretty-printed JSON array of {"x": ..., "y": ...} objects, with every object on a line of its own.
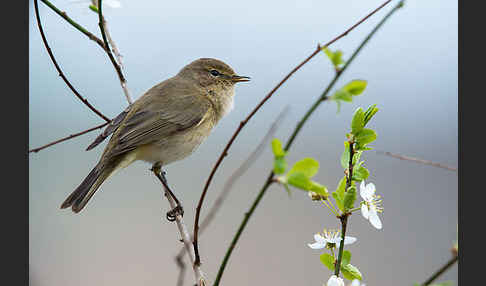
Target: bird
[{"x": 166, "y": 124}]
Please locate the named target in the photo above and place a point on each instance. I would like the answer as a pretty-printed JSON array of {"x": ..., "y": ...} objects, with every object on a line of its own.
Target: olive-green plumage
[{"x": 164, "y": 125}]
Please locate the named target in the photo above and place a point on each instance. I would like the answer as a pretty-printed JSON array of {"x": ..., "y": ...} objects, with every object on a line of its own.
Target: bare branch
[
  {"x": 68, "y": 137},
  {"x": 243, "y": 123},
  {"x": 103, "y": 29},
  {"x": 417, "y": 160},
  {"x": 61, "y": 74}
]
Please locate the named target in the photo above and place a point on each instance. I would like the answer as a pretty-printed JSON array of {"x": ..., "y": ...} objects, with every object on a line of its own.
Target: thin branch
[
  {"x": 243, "y": 123},
  {"x": 61, "y": 74},
  {"x": 417, "y": 160},
  {"x": 102, "y": 24},
  {"x": 231, "y": 181},
  {"x": 344, "y": 217},
  {"x": 35, "y": 150},
  {"x": 296, "y": 131},
  {"x": 74, "y": 24},
  {"x": 186, "y": 239},
  {"x": 441, "y": 271},
  {"x": 100, "y": 42}
]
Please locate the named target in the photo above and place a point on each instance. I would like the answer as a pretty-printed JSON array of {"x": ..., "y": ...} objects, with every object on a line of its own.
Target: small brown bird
[{"x": 164, "y": 125}]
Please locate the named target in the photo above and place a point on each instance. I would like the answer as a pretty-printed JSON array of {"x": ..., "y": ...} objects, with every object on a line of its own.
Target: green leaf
[
  {"x": 319, "y": 189},
  {"x": 372, "y": 110},
  {"x": 279, "y": 165},
  {"x": 365, "y": 136},
  {"x": 342, "y": 95},
  {"x": 345, "y": 156},
  {"x": 307, "y": 166},
  {"x": 357, "y": 123},
  {"x": 351, "y": 272},
  {"x": 299, "y": 180},
  {"x": 93, "y": 8},
  {"x": 346, "y": 257},
  {"x": 335, "y": 57},
  {"x": 360, "y": 173},
  {"x": 355, "y": 87},
  {"x": 349, "y": 198},
  {"x": 338, "y": 194},
  {"x": 277, "y": 148},
  {"x": 328, "y": 260}
]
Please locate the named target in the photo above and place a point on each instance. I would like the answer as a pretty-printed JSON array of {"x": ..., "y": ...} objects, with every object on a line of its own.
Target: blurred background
[{"x": 123, "y": 238}]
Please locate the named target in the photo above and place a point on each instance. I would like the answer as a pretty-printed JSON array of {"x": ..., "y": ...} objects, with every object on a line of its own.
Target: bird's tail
[{"x": 78, "y": 199}]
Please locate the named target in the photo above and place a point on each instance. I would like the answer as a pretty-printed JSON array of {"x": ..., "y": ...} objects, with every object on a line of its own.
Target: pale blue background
[{"x": 121, "y": 237}]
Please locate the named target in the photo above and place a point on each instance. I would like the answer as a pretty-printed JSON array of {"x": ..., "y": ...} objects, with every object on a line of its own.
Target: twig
[
  {"x": 100, "y": 42},
  {"x": 289, "y": 144},
  {"x": 441, "y": 270},
  {"x": 102, "y": 24},
  {"x": 230, "y": 182},
  {"x": 186, "y": 239},
  {"x": 243, "y": 123},
  {"x": 344, "y": 217},
  {"x": 74, "y": 24},
  {"x": 417, "y": 160},
  {"x": 35, "y": 150},
  {"x": 61, "y": 74}
]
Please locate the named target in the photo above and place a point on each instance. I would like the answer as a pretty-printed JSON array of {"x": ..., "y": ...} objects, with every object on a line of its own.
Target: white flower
[
  {"x": 329, "y": 239},
  {"x": 335, "y": 281},
  {"x": 371, "y": 205},
  {"x": 355, "y": 282}
]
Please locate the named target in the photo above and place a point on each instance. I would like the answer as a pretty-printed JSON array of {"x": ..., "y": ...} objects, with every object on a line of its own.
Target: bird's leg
[{"x": 178, "y": 210}]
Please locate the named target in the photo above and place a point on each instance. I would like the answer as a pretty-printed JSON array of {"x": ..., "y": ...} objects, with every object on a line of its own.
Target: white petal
[
  {"x": 316, "y": 245},
  {"x": 349, "y": 240},
  {"x": 368, "y": 192},
  {"x": 335, "y": 281},
  {"x": 375, "y": 220},
  {"x": 355, "y": 282},
  {"x": 364, "y": 211},
  {"x": 362, "y": 188},
  {"x": 319, "y": 238}
]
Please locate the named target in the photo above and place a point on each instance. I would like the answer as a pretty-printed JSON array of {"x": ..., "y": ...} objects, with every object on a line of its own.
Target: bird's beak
[{"x": 238, "y": 78}]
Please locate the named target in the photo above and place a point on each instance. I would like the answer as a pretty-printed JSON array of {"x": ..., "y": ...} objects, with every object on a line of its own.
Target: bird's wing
[
  {"x": 157, "y": 116},
  {"x": 109, "y": 129}
]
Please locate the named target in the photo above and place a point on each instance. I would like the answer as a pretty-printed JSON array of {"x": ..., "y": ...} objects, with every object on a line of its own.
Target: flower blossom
[
  {"x": 329, "y": 239},
  {"x": 371, "y": 205}
]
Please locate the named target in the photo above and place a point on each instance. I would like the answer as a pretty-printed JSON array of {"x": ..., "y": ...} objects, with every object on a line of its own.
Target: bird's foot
[{"x": 172, "y": 214}]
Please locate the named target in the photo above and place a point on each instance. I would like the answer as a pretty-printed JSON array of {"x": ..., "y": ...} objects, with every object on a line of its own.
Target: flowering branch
[
  {"x": 243, "y": 123},
  {"x": 61, "y": 74},
  {"x": 344, "y": 217},
  {"x": 270, "y": 178}
]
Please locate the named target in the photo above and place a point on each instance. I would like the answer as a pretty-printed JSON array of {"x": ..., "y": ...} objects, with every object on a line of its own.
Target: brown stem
[
  {"x": 243, "y": 123},
  {"x": 102, "y": 26},
  {"x": 417, "y": 160},
  {"x": 441, "y": 270},
  {"x": 35, "y": 150},
  {"x": 61, "y": 74}
]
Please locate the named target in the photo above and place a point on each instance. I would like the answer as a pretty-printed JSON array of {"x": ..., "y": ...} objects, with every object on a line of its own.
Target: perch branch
[{"x": 417, "y": 160}]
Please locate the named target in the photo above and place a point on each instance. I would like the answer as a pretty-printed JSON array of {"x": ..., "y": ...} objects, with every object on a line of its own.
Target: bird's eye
[{"x": 214, "y": 72}]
